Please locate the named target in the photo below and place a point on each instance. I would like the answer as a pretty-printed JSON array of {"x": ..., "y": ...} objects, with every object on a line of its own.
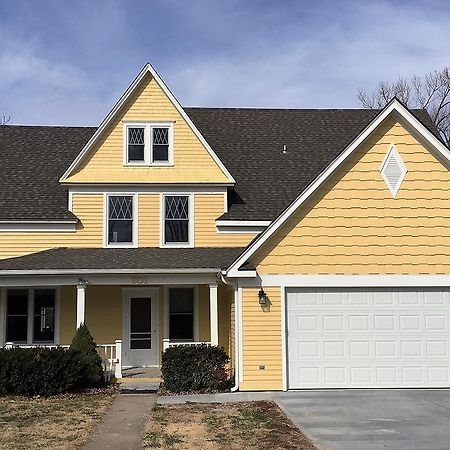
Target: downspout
[{"x": 236, "y": 330}]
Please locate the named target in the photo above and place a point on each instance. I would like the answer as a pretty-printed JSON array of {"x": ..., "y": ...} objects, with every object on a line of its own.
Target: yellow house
[{"x": 313, "y": 245}]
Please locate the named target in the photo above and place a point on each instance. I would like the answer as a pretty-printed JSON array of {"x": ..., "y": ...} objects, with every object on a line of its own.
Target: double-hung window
[
  {"x": 149, "y": 144},
  {"x": 30, "y": 316},
  {"x": 121, "y": 221},
  {"x": 177, "y": 223},
  {"x": 181, "y": 314}
]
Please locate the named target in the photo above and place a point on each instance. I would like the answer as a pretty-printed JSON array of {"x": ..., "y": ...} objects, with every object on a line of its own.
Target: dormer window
[{"x": 148, "y": 144}]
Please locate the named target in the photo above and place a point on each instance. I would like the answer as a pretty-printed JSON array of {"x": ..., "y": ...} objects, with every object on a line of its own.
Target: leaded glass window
[
  {"x": 120, "y": 219},
  {"x": 176, "y": 219},
  {"x": 136, "y": 144},
  {"x": 160, "y": 142}
]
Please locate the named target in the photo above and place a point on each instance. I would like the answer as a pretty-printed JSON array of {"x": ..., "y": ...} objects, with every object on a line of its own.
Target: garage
[{"x": 367, "y": 338}]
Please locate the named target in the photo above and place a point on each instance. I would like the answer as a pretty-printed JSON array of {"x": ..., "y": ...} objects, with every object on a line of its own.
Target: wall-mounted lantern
[{"x": 262, "y": 296}]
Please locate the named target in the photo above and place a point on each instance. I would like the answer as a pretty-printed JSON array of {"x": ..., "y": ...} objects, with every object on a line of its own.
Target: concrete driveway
[{"x": 371, "y": 419}]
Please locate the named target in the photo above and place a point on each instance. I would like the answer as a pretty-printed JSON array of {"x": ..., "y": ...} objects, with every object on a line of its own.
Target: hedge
[
  {"x": 195, "y": 368},
  {"x": 51, "y": 371},
  {"x": 39, "y": 371}
]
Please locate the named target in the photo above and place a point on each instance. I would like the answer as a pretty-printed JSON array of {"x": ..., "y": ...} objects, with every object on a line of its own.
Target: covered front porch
[{"x": 132, "y": 318}]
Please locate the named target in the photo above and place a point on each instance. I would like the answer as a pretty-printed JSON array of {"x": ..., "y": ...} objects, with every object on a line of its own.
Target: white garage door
[{"x": 368, "y": 338}]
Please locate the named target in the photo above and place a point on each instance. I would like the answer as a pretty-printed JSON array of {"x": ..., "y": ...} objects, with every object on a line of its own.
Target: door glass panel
[
  {"x": 140, "y": 323},
  {"x": 17, "y": 315},
  {"x": 44, "y": 315}
]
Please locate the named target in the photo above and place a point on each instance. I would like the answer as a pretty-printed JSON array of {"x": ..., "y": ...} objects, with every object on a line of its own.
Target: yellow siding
[
  {"x": 354, "y": 226},
  {"x": 192, "y": 162},
  {"x": 208, "y": 208},
  {"x": 261, "y": 340},
  {"x": 149, "y": 220},
  {"x": 88, "y": 208}
]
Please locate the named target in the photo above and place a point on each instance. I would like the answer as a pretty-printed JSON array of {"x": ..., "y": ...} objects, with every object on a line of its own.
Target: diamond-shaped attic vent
[{"x": 393, "y": 170}]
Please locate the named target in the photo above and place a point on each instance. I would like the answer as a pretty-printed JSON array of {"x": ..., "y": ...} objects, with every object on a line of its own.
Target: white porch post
[
  {"x": 81, "y": 301},
  {"x": 213, "y": 314}
]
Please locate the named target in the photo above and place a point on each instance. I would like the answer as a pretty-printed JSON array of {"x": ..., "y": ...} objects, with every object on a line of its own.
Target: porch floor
[{"x": 140, "y": 379}]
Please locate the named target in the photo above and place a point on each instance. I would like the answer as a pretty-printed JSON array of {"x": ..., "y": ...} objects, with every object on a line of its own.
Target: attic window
[
  {"x": 148, "y": 144},
  {"x": 393, "y": 170}
]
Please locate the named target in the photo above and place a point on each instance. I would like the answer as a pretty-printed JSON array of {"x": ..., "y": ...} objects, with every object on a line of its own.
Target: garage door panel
[{"x": 368, "y": 338}]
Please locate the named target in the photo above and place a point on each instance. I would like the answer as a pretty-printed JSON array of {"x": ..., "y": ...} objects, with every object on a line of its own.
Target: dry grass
[
  {"x": 63, "y": 422},
  {"x": 231, "y": 426}
]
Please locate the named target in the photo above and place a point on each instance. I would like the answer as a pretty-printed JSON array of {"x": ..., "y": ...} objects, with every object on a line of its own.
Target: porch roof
[{"x": 92, "y": 260}]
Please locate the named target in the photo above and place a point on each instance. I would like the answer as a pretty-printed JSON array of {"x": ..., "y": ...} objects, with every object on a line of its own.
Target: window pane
[
  {"x": 142, "y": 344},
  {"x": 120, "y": 207},
  {"x": 176, "y": 227},
  {"x": 181, "y": 300},
  {"x": 181, "y": 327},
  {"x": 17, "y": 301},
  {"x": 141, "y": 315},
  {"x": 181, "y": 314},
  {"x": 16, "y": 328},
  {"x": 44, "y": 315},
  {"x": 17, "y": 315},
  {"x": 160, "y": 144},
  {"x": 120, "y": 222},
  {"x": 120, "y": 231},
  {"x": 176, "y": 231},
  {"x": 136, "y": 144}
]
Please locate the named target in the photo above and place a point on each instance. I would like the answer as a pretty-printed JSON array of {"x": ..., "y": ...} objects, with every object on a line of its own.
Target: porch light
[{"x": 262, "y": 297}]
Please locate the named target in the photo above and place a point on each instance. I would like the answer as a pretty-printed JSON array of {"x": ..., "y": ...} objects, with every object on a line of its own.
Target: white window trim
[
  {"x": 196, "y": 309},
  {"x": 3, "y": 314},
  {"x": 133, "y": 244},
  {"x": 191, "y": 229},
  {"x": 394, "y": 152},
  {"x": 148, "y": 144}
]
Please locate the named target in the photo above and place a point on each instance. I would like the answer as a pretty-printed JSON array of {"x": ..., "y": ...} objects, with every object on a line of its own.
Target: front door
[{"x": 140, "y": 331}]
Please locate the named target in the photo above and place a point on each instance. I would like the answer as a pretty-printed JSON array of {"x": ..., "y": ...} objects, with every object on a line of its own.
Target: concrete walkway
[
  {"x": 140, "y": 379},
  {"x": 123, "y": 424}
]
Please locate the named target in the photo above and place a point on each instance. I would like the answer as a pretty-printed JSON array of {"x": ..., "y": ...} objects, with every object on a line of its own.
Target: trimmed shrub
[
  {"x": 38, "y": 371},
  {"x": 195, "y": 368},
  {"x": 91, "y": 364}
]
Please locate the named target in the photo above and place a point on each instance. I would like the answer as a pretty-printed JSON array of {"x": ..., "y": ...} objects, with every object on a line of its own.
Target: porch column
[
  {"x": 81, "y": 301},
  {"x": 213, "y": 314}
]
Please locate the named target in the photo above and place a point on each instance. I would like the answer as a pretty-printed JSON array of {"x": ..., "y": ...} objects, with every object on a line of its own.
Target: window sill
[{"x": 146, "y": 165}]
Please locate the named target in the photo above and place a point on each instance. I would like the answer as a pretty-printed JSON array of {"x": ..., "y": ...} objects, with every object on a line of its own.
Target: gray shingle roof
[
  {"x": 32, "y": 161},
  {"x": 248, "y": 141},
  {"x": 213, "y": 258}
]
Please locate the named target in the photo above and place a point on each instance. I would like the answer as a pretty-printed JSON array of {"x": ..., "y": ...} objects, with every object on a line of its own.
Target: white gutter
[{"x": 103, "y": 271}]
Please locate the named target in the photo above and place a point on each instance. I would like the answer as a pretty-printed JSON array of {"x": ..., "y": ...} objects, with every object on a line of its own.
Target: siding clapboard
[
  {"x": 261, "y": 340},
  {"x": 192, "y": 162}
]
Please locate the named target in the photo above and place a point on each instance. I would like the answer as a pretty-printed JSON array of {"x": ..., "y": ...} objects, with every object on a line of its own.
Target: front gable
[
  {"x": 353, "y": 222},
  {"x": 148, "y": 101}
]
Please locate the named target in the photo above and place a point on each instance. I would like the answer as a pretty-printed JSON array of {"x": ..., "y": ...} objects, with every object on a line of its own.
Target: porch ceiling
[{"x": 154, "y": 260}]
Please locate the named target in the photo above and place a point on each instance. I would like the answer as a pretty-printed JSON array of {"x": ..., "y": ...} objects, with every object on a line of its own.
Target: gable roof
[
  {"x": 394, "y": 106},
  {"x": 248, "y": 141},
  {"x": 147, "y": 69}
]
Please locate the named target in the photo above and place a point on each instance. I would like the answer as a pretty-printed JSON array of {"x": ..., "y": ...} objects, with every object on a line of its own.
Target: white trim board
[
  {"x": 349, "y": 281},
  {"x": 393, "y": 106},
  {"x": 62, "y": 227},
  {"x": 122, "y": 100}
]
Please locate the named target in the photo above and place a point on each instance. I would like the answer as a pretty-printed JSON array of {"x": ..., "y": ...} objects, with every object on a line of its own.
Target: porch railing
[
  {"x": 110, "y": 354},
  {"x": 167, "y": 343}
]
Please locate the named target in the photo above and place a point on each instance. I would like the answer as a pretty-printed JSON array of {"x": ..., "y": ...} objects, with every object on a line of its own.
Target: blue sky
[{"x": 67, "y": 62}]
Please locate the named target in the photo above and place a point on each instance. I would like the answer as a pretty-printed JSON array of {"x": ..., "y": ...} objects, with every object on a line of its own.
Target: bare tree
[
  {"x": 430, "y": 91},
  {"x": 5, "y": 120}
]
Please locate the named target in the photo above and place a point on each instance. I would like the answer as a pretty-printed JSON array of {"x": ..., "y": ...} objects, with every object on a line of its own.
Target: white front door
[
  {"x": 368, "y": 338},
  {"x": 140, "y": 327}
]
